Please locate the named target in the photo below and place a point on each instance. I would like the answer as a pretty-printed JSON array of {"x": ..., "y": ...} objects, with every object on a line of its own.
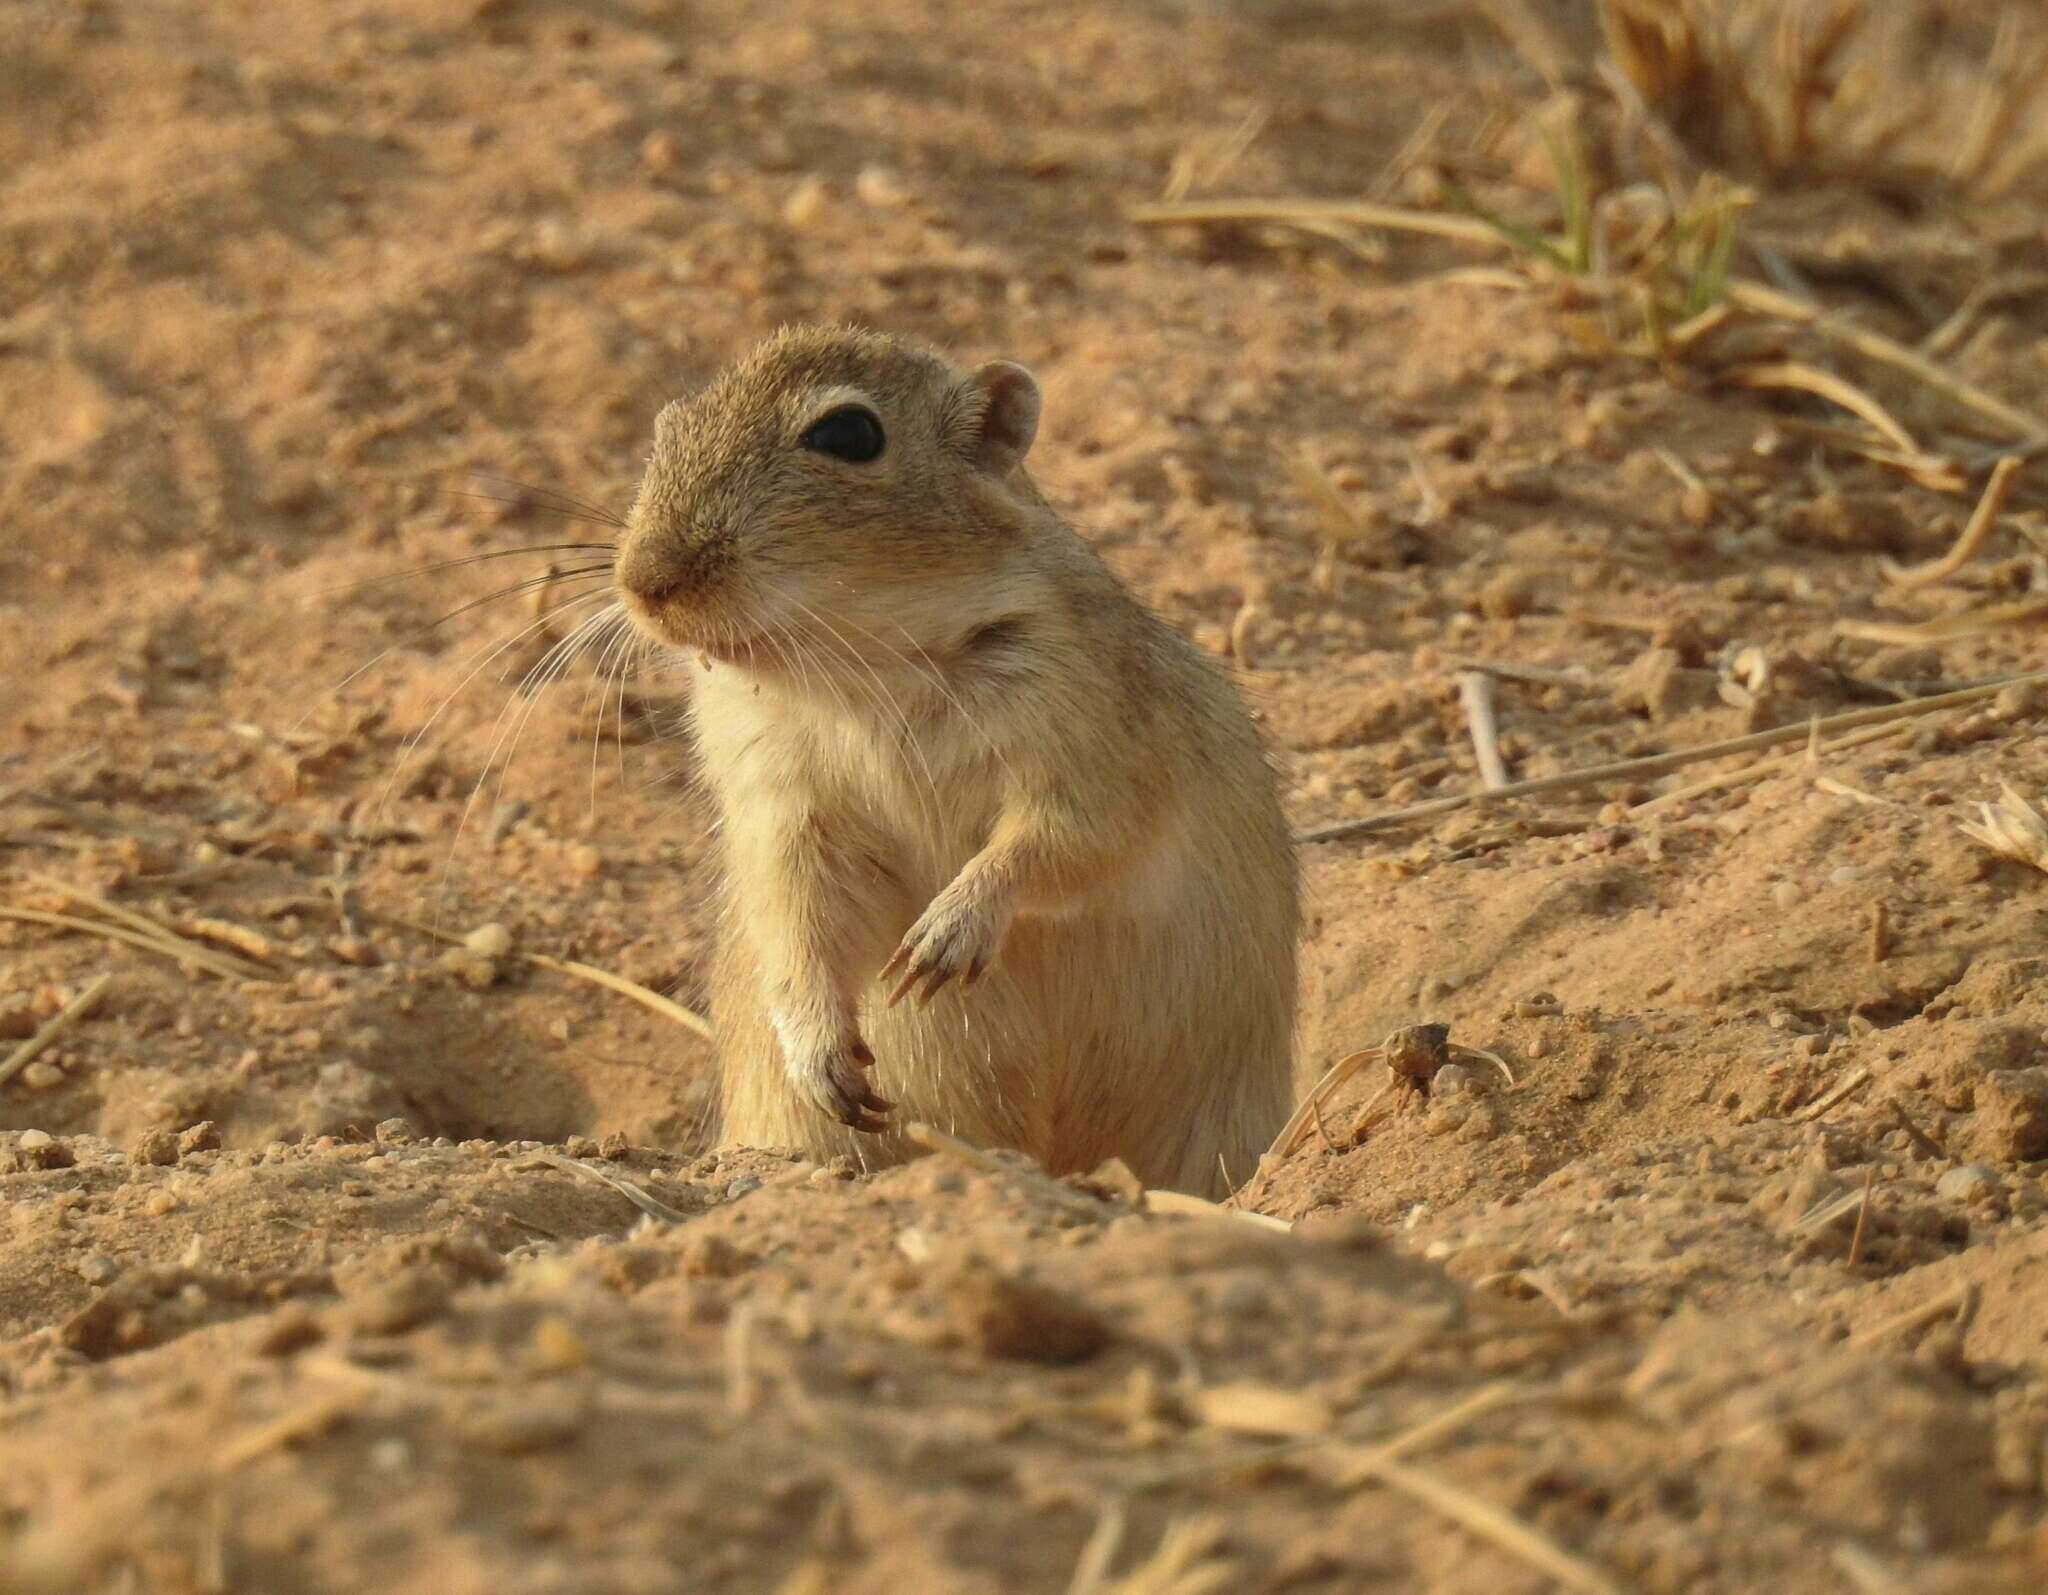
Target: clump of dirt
[{"x": 359, "y": 1241}]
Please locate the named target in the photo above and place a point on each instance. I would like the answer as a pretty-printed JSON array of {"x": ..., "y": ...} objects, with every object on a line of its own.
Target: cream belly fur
[{"x": 1000, "y": 851}]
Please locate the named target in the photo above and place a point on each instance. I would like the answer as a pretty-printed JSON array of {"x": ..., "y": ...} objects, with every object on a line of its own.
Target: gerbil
[{"x": 955, "y": 759}]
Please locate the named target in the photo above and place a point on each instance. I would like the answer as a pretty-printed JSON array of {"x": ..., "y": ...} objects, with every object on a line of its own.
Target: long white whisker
[{"x": 412, "y": 744}]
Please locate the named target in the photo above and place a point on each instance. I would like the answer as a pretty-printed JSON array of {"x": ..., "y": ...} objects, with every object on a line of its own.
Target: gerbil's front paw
[
  {"x": 956, "y": 936},
  {"x": 836, "y": 1083}
]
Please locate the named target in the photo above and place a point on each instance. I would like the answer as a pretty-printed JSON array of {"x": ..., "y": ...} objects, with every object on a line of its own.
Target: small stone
[
  {"x": 1969, "y": 1182},
  {"x": 585, "y": 861},
  {"x": 394, "y": 1132},
  {"x": 881, "y": 188},
  {"x": 1453, "y": 1079},
  {"x": 471, "y": 969},
  {"x": 42, "y": 1075},
  {"x": 714, "y": 1257},
  {"x": 159, "y": 1203},
  {"x": 614, "y": 1147},
  {"x": 358, "y": 951},
  {"x": 557, "y": 1348},
  {"x": 489, "y": 941},
  {"x": 1785, "y": 895},
  {"x": 2012, "y": 1114},
  {"x": 805, "y": 201},
  {"x": 579, "y": 1146},
  {"x": 201, "y": 1137},
  {"x": 534, "y": 1423},
  {"x": 97, "y": 1269},
  {"x": 1509, "y": 595},
  {"x": 38, "y": 1149},
  {"x": 291, "y": 1328},
  {"x": 661, "y": 152},
  {"x": 397, "y": 1302},
  {"x": 156, "y": 1148}
]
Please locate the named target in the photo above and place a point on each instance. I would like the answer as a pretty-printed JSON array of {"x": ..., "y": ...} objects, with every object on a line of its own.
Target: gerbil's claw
[
  {"x": 955, "y": 940},
  {"x": 841, "y": 1090}
]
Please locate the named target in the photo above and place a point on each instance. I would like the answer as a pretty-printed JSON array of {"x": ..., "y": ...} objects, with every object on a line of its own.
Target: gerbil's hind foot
[
  {"x": 955, "y": 938},
  {"x": 837, "y": 1085}
]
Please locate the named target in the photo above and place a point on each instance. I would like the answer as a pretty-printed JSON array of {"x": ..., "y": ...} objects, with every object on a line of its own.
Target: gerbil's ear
[{"x": 1009, "y": 415}]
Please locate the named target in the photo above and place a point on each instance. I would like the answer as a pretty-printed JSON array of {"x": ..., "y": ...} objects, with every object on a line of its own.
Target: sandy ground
[{"x": 312, "y": 1279}]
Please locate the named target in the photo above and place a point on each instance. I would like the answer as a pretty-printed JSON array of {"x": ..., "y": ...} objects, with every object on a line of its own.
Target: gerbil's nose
[{"x": 647, "y": 571}]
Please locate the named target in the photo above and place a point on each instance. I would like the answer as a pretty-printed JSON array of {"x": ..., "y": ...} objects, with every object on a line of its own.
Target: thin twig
[
  {"x": 147, "y": 926},
  {"x": 652, "y": 1206},
  {"x": 1475, "y": 692},
  {"x": 1754, "y": 296},
  {"x": 53, "y": 1027},
  {"x": 1983, "y": 521},
  {"x": 1862, "y": 1216},
  {"x": 1657, "y": 764},
  {"x": 1962, "y": 1301},
  {"x": 1303, "y": 212},
  {"x": 180, "y": 952},
  {"x": 667, "y": 1007},
  {"x": 1493, "y": 1523},
  {"x": 1855, "y": 1081},
  {"x": 1800, "y": 377}
]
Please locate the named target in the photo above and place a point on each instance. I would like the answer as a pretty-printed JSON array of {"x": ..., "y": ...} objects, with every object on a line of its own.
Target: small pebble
[
  {"x": 41, "y": 1076},
  {"x": 1785, "y": 895},
  {"x": 489, "y": 941},
  {"x": 1971, "y": 1182},
  {"x": 97, "y": 1270},
  {"x": 31, "y": 1139},
  {"x": 155, "y": 1148}
]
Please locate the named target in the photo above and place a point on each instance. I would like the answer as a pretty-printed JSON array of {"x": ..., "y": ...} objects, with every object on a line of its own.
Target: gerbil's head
[{"x": 835, "y": 492}]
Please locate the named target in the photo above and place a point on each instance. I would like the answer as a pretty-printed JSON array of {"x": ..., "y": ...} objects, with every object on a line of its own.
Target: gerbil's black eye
[{"x": 850, "y": 433}]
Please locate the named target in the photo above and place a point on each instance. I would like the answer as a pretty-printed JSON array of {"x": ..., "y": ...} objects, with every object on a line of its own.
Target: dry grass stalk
[
  {"x": 1183, "y": 1564},
  {"x": 1431, "y": 1429},
  {"x": 1962, "y": 1301},
  {"x": 1760, "y": 300},
  {"x": 1798, "y": 377},
  {"x": 182, "y": 947},
  {"x": 1092, "y": 1567},
  {"x": 1764, "y": 769},
  {"x": 2013, "y": 827},
  {"x": 53, "y": 1027},
  {"x": 1182, "y": 1205},
  {"x": 1983, "y": 521},
  {"x": 1946, "y": 628},
  {"x": 1856, "y": 1080},
  {"x": 1320, "y": 212},
  {"x": 1862, "y": 1217},
  {"x": 317, "y": 1415},
  {"x": 1661, "y": 763},
  {"x": 1263, "y": 1410},
  {"x": 181, "y": 952},
  {"x": 653, "y": 1001},
  {"x": 1880, "y": 932},
  {"x": 1475, "y": 692},
  {"x": 653, "y": 1207},
  {"x": 1492, "y": 1523},
  {"x": 1294, "y": 1131}
]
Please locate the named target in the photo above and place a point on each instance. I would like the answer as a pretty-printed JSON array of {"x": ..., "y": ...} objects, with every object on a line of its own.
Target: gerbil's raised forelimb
[{"x": 1046, "y": 853}]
